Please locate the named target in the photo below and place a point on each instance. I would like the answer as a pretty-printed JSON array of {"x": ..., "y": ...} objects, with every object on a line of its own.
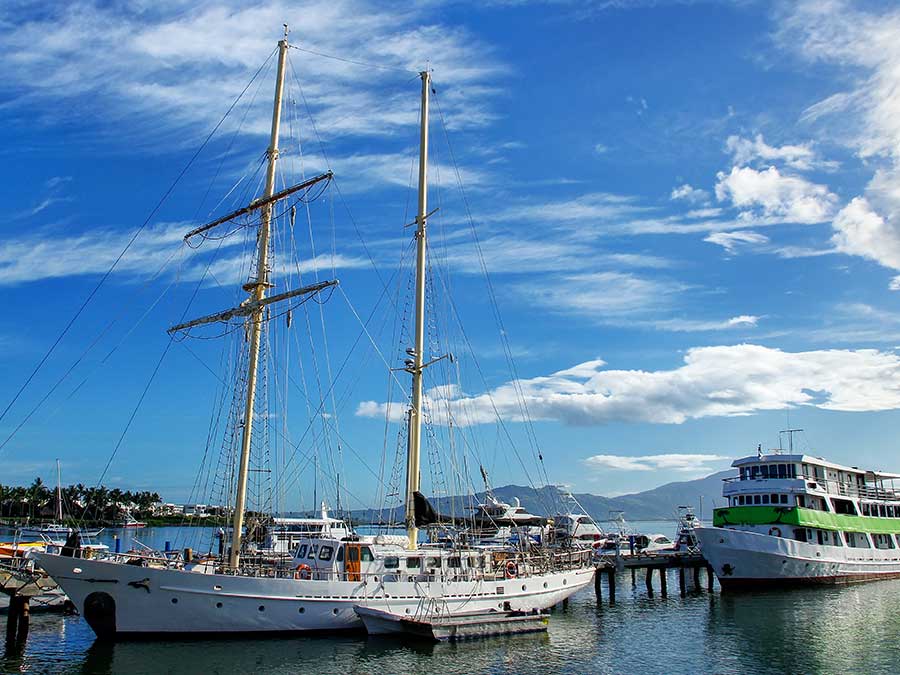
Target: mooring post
[
  {"x": 682, "y": 587},
  {"x": 710, "y": 577},
  {"x": 633, "y": 578},
  {"x": 24, "y": 620},
  {"x": 611, "y": 578},
  {"x": 598, "y": 591},
  {"x": 696, "y": 577},
  {"x": 649, "y": 581},
  {"x": 12, "y": 620},
  {"x": 662, "y": 581}
]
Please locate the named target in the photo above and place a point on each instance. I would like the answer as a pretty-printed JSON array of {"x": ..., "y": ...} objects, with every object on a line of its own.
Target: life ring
[
  {"x": 774, "y": 531},
  {"x": 512, "y": 570},
  {"x": 303, "y": 571}
]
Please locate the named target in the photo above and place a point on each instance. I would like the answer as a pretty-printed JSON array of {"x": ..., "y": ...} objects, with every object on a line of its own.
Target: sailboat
[
  {"x": 329, "y": 575},
  {"x": 57, "y": 528}
]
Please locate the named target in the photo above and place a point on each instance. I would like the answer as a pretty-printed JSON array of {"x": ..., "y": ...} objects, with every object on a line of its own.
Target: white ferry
[{"x": 796, "y": 519}]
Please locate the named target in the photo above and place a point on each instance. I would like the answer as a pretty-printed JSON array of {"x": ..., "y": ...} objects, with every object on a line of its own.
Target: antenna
[{"x": 790, "y": 433}]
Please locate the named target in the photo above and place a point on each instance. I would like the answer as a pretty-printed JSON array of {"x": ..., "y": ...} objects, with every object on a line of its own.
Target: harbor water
[{"x": 853, "y": 629}]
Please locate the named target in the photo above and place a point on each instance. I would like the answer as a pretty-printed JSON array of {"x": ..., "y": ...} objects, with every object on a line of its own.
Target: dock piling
[
  {"x": 682, "y": 586},
  {"x": 611, "y": 578},
  {"x": 649, "y": 581},
  {"x": 710, "y": 577},
  {"x": 663, "y": 577},
  {"x": 17, "y": 621},
  {"x": 696, "y": 577}
]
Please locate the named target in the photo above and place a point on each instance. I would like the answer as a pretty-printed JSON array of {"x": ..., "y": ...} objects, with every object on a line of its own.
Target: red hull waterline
[{"x": 745, "y": 584}]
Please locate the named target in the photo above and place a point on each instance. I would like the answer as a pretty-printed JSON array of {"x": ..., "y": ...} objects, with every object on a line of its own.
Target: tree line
[{"x": 39, "y": 502}]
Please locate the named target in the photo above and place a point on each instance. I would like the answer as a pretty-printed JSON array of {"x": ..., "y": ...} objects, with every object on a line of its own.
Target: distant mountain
[{"x": 660, "y": 503}]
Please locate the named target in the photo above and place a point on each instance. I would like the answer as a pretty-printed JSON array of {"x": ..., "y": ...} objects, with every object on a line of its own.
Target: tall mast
[
  {"x": 59, "y": 509},
  {"x": 257, "y": 290},
  {"x": 415, "y": 411}
]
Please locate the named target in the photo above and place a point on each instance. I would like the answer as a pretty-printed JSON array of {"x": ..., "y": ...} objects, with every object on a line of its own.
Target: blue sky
[{"x": 689, "y": 210}]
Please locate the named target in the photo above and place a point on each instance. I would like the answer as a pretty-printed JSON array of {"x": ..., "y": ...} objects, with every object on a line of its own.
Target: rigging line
[
  {"x": 374, "y": 345},
  {"x": 334, "y": 180},
  {"x": 121, "y": 255},
  {"x": 520, "y": 394},
  {"x": 356, "y": 63}
]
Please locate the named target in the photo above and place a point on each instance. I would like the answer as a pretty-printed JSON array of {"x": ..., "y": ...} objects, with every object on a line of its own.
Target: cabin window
[
  {"x": 836, "y": 538},
  {"x": 821, "y": 537},
  {"x": 301, "y": 552},
  {"x": 765, "y": 499},
  {"x": 799, "y": 534},
  {"x": 844, "y": 506},
  {"x": 863, "y": 509},
  {"x": 352, "y": 554},
  {"x": 883, "y": 541},
  {"x": 433, "y": 562},
  {"x": 792, "y": 470},
  {"x": 754, "y": 471},
  {"x": 743, "y": 473},
  {"x": 882, "y": 511},
  {"x": 782, "y": 470},
  {"x": 340, "y": 554},
  {"x": 413, "y": 563},
  {"x": 739, "y": 500},
  {"x": 764, "y": 470},
  {"x": 783, "y": 499},
  {"x": 454, "y": 562},
  {"x": 391, "y": 562},
  {"x": 325, "y": 553},
  {"x": 313, "y": 550},
  {"x": 801, "y": 501},
  {"x": 897, "y": 537},
  {"x": 366, "y": 554},
  {"x": 775, "y": 499},
  {"x": 756, "y": 499}
]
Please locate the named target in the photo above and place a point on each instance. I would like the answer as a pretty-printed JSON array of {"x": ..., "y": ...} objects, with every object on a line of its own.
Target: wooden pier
[{"x": 647, "y": 564}]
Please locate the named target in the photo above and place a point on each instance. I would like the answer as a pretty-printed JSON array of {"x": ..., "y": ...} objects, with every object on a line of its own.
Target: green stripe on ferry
[{"x": 797, "y": 517}]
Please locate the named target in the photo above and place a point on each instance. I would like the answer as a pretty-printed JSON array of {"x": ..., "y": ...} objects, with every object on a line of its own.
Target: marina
[{"x": 498, "y": 338}]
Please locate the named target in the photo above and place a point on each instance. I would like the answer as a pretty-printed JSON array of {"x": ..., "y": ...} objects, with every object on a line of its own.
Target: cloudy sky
[{"x": 689, "y": 212}]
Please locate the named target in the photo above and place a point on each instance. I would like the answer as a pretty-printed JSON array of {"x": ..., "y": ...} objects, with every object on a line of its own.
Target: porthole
[
  {"x": 407, "y": 610},
  {"x": 262, "y": 608},
  {"x": 174, "y": 601},
  {"x": 334, "y": 611},
  {"x": 76, "y": 570},
  {"x": 301, "y": 610},
  {"x": 376, "y": 579},
  {"x": 565, "y": 581},
  {"x": 545, "y": 584},
  {"x": 219, "y": 605},
  {"x": 523, "y": 587},
  {"x": 217, "y": 587}
]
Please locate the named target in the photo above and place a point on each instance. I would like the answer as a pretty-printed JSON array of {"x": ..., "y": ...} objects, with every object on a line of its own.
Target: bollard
[
  {"x": 17, "y": 620},
  {"x": 188, "y": 555},
  {"x": 633, "y": 577},
  {"x": 168, "y": 546},
  {"x": 662, "y": 581},
  {"x": 598, "y": 591},
  {"x": 682, "y": 588},
  {"x": 118, "y": 543}
]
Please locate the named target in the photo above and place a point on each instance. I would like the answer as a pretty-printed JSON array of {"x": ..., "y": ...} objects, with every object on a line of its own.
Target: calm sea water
[{"x": 831, "y": 630}]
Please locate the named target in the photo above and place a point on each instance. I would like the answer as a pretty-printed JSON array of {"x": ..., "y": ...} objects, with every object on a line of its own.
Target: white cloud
[
  {"x": 601, "y": 149},
  {"x": 713, "y": 382},
  {"x": 860, "y": 231},
  {"x": 690, "y": 194},
  {"x": 688, "y": 463},
  {"x": 699, "y": 325},
  {"x": 801, "y": 157},
  {"x": 730, "y": 241},
  {"x": 771, "y": 194}
]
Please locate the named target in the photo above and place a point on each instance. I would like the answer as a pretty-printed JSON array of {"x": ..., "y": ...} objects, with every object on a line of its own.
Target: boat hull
[
  {"x": 748, "y": 560},
  {"x": 122, "y": 601}
]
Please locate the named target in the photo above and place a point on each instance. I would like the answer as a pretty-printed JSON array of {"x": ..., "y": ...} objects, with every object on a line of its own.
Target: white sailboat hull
[
  {"x": 125, "y": 600},
  {"x": 744, "y": 559}
]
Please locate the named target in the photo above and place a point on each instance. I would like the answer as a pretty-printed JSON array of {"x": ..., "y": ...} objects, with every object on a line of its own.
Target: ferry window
[
  {"x": 862, "y": 540},
  {"x": 743, "y": 473},
  {"x": 820, "y": 537},
  {"x": 392, "y": 563},
  {"x": 897, "y": 537},
  {"x": 844, "y": 506},
  {"x": 775, "y": 499},
  {"x": 325, "y": 553},
  {"x": 366, "y": 554},
  {"x": 881, "y": 511},
  {"x": 301, "y": 552},
  {"x": 782, "y": 470},
  {"x": 454, "y": 562},
  {"x": 413, "y": 563},
  {"x": 799, "y": 534},
  {"x": 764, "y": 470},
  {"x": 765, "y": 499},
  {"x": 313, "y": 549},
  {"x": 792, "y": 470},
  {"x": 433, "y": 562},
  {"x": 801, "y": 501},
  {"x": 756, "y": 499},
  {"x": 740, "y": 500},
  {"x": 754, "y": 471},
  {"x": 836, "y": 538}
]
